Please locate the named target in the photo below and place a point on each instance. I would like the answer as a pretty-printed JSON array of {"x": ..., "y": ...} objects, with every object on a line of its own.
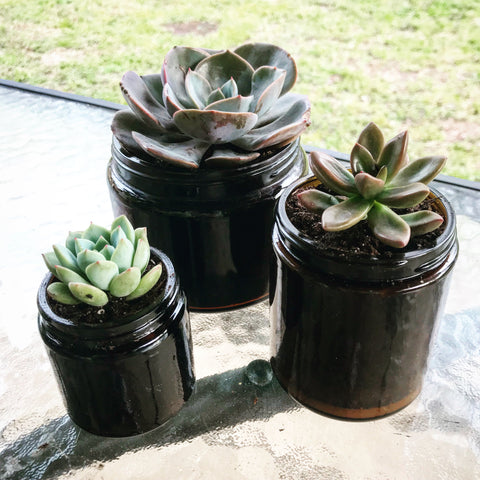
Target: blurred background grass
[{"x": 403, "y": 64}]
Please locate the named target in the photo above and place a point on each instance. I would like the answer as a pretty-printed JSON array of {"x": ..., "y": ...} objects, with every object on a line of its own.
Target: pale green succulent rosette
[
  {"x": 99, "y": 263},
  {"x": 380, "y": 179},
  {"x": 229, "y": 103}
]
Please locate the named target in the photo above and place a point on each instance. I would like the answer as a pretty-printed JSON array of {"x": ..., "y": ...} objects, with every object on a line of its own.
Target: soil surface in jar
[
  {"x": 359, "y": 239},
  {"x": 115, "y": 309}
]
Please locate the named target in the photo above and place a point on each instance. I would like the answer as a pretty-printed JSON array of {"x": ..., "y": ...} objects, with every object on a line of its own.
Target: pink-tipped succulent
[
  {"x": 219, "y": 106},
  {"x": 99, "y": 263},
  {"x": 381, "y": 180}
]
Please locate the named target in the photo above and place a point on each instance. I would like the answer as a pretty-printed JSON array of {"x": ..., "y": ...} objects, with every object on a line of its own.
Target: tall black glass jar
[
  {"x": 350, "y": 337},
  {"x": 126, "y": 376},
  {"x": 214, "y": 223}
]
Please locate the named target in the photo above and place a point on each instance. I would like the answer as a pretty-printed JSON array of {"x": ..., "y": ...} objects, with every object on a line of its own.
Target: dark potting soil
[
  {"x": 114, "y": 310},
  {"x": 357, "y": 240}
]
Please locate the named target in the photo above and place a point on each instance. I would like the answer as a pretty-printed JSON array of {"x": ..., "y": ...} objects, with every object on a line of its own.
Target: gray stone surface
[{"x": 53, "y": 157}]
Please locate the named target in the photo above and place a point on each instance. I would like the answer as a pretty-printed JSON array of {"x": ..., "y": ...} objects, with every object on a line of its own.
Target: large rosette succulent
[{"x": 222, "y": 107}]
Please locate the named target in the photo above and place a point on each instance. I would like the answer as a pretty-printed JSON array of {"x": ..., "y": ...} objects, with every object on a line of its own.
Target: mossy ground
[{"x": 403, "y": 64}]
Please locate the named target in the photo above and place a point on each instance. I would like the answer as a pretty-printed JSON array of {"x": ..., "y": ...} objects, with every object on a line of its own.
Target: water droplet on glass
[{"x": 259, "y": 372}]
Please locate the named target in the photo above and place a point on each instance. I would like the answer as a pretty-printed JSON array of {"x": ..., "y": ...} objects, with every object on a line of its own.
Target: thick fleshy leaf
[
  {"x": 213, "y": 126},
  {"x": 175, "y": 65},
  {"x": 70, "y": 240},
  {"x": 88, "y": 294},
  {"x": 142, "y": 254},
  {"x": 422, "y": 170},
  {"x": 123, "y": 254},
  {"x": 187, "y": 154},
  {"x": 142, "y": 102},
  {"x": 124, "y": 223},
  {"x": 227, "y": 157},
  {"x": 394, "y": 154},
  {"x": 125, "y": 283},
  {"x": 154, "y": 83},
  {"x": 198, "y": 88},
  {"x": 316, "y": 201},
  {"x": 101, "y": 243},
  {"x": 215, "y": 96},
  {"x": 233, "y": 104},
  {"x": 267, "y": 84},
  {"x": 422, "y": 222},
  {"x": 388, "y": 227},
  {"x": 221, "y": 67},
  {"x": 116, "y": 235},
  {"x": 107, "y": 251},
  {"x": 66, "y": 275},
  {"x": 147, "y": 282},
  {"x": 102, "y": 273},
  {"x": 361, "y": 160},
  {"x": 51, "y": 261},
  {"x": 86, "y": 257},
  {"x": 368, "y": 185},
  {"x": 382, "y": 173},
  {"x": 259, "y": 54},
  {"x": 94, "y": 232},
  {"x": 171, "y": 102},
  {"x": 66, "y": 258},
  {"x": 345, "y": 214},
  {"x": 140, "y": 232},
  {"x": 229, "y": 89},
  {"x": 283, "y": 129},
  {"x": 332, "y": 173},
  {"x": 405, "y": 196},
  {"x": 82, "y": 244},
  {"x": 372, "y": 139},
  {"x": 60, "y": 292}
]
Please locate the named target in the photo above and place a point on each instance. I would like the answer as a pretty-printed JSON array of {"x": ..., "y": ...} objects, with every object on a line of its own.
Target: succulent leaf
[
  {"x": 123, "y": 254},
  {"x": 259, "y": 54},
  {"x": 388, "y": 227},
  {"x": 117, "y": 234},
  {"x": 368, "y": 186},
  {"x": 214, "y": 126},
  {"x": 51, "y": 261},
  {"x": 82, "y": 244},
  {"x": 345, "y": 214},
  {"x": 361, "y": 160},
  {"x": 229, "y": 88},
  {"x": 215, "y": 96},
  {"x": 88, "y": 294},
  {"x": 422, "y": 170},
  {"x": 220, "y": 67},
  {"x": 123, "y": 222},
  {"x": 107, "y": 251},
  {"x": 422, "y": 222},
  {"x": 315, "y": 200},
  {"x": 140, "y": 232},
  {"x": 332, "y": 173},
  {"x": 65, "y": 275},
  {"x": 101, "y": 273},
  {"x": 188, "y": 153},
  {"x": 233, "y": 104},
  {"x": 93, "y": 232},
  {"x": 66, "y": 258},
  {"x": 405, "y": 196},
  {"x": 126, "y": 282},
  {"x": 86, "y": 257},
  {"x": 70, "y": 240},
  {"x": 372, "y": 139},
  {"x": 229, "y": 157},
  {"x": 101, "y": 243},
  {"x": 60, "y": 292},
  {"x": 267, "y": 83},
  {"x": 147, "y": 282},
  {"x": 142, "y": 254},
  {"x": 394, "y": 154},
  {"x": 198, "y": 88}
]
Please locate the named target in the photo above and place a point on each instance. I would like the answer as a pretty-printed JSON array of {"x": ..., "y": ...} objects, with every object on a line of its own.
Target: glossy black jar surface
[
  {"x": 215, "y": 224},
  {"x": 123, "y": 377},
  {"x": 350, "y": 337}
]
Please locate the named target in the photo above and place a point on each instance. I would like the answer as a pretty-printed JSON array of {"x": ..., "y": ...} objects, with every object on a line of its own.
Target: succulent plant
[
  {"x": 381, "y": 179},
  {"x": 99, "y": 263},
  {"x": 236, "y": 100}
]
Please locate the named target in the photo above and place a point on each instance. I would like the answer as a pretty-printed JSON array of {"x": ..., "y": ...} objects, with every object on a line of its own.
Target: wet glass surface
[{"x": 239, "y": 423}]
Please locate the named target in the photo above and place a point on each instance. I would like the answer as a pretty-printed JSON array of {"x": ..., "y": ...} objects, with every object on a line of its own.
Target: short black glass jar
[
  {"x": 124, "y": 377},
  {"x": 214, "y": 223},
  {"x": 350, "y": 336}
]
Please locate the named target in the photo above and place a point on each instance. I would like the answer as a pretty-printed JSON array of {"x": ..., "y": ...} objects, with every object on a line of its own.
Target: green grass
[{"x": 402, "y": 64}]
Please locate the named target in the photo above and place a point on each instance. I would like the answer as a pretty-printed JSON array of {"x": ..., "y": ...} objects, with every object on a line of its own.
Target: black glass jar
[
  {"x": 214, "y": 223},
  {"x": 127, "y": 376},
  {"x": 350, "y": 336}
]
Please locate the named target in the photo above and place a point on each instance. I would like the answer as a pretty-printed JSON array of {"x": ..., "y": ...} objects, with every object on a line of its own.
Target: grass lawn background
[{"x": 402, "y": 64}]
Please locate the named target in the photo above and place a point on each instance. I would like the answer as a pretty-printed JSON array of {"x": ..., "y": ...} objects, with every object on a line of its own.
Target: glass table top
[{"x": 54, "y": 153}]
